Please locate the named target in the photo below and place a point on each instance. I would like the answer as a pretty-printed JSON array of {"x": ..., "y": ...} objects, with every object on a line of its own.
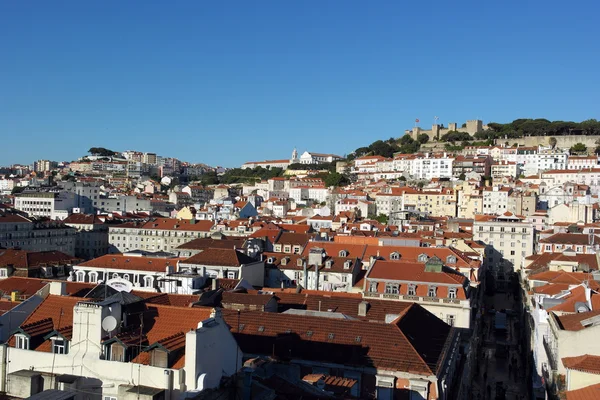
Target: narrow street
[{"x": 499, "y": 373}]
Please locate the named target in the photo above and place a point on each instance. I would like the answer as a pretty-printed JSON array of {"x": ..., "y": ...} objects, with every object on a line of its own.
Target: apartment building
[
  {"x": 158, "y": 234},
  {"x": 18, "y": 231},
  {"x": 46, "y": 204},
  {"x": 509, "y": 239},
  {"x": 495, "y": 199},
  {"x": 91, "y": 239}
]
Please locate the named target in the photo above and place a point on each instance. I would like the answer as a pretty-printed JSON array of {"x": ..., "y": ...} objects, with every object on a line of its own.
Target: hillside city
[{"x": 457, "y": 262}]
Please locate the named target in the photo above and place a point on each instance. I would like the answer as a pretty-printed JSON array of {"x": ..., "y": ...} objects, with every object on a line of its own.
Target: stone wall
[{"x": 561, "y": 141}]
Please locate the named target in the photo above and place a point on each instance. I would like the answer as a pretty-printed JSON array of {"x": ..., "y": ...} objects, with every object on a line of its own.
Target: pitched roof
[
  {"x": 205, "y": 243},
  {"x": 400, "y": 346},
  {"x": 585, "y": 363},
  {"x": 570, "y": 238},
  {"x": 84, "y": 219},
  {"x": 29, "y": 259},
  {"x": 573, "y": 278},
  {"x": 587, "y": 393},
  {"x": 134, "y": 263},
  {"x": 572, "y": 322},
  {"x": 178, "y": 224},
  {"x": 542, "y": 260},
  {"x": 53, "y": 313},
  {"x": 220, "y": 257},
  {"x": 293, "y": 238}
]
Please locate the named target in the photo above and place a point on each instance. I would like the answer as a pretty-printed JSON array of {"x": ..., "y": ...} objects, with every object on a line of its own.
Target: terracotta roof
[
  {"x": 84, "y": 219},
  {"x": 333, "y": 249},
  {"x": 24, "y": 286},
  {"x": 585, "y": 363},
  {"x": 53, "y": 313},
  {"x": 573, "y": 278},
  {"x": 551, "y": 289},
  {"x": 29, "y": 259},
  {"x": 572, "y": 322},
  {"x": 293, "y": 238},
  {"x": 587, "y": 393},
  {"x": 411, "y": 254},
  {"x": 400, "y": 346},
  {"x": 205, "y": 243},
  {"x": 570, "y": 238},
  {"x": 6, "y": 306},
  {"x": 178, "y": 225},
  {"x": 542, "y": 260},
  {"x": 227, "y": 284},
  {"x": 377, "y": 310},
  {"x": 220, "y": 257},
  {"x": 246, "y": 298},
  {"x": 176, "y": 300},
  {"x": 576, "y": 295},
  {"x": 119, "y": 261}
]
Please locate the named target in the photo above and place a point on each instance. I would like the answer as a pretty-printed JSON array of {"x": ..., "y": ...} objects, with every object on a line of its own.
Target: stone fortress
[{"x": 472, "y": 126}]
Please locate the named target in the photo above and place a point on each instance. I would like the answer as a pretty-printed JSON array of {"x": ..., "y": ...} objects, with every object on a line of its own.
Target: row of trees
[
  {"x": 101, "y": 151},
  {"x": 539, "y": 127}
]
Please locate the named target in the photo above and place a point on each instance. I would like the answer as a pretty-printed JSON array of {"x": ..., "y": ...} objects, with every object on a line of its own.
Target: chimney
[
  {"x": 363, "y": 306},
  {"x": 58, "y": 288},
  {"x": 214, "y": 284},
  {"x": 305, "y": 270}
]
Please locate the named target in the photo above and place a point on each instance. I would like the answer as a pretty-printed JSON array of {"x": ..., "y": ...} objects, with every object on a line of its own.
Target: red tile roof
[
  {"x": 585, "y": 363},
  {"x": 30, "y": 259},
  {"x": 587, "y": 393},
  {"x": 572, "y": 322},
  {"x": 84, "y": 219},
  {"x": 119, "y": 261},
  {"x": 400, "y": 346},
  {"x": 573, "y": 278},
  {"x": 542, "y": 260},
  {"x": 570, "y": 238},
  {"x": 220, "y": 257},
  {"x": 177, "y": 225}
]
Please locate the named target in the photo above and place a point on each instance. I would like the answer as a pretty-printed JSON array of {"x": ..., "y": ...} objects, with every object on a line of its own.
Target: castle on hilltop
[{"x": 471, "y": 127}]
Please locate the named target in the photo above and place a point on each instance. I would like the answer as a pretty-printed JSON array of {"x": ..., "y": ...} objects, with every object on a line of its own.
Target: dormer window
[
  {"x": 395, "y": 256},
  {"x": 452, "y": 293},
  {"x": 343, "y": 253},
  {"x": 347, "y": 264},
  {"x": 48, "y": 272},
  {"x": 270, "y": 260},
  {"x": 432, "y": 291},
  {"x": 328, "y": 264},
  {"x": 451, "y": 260},
  {"x": 284, "y": 261},
  {"x": 422, "y": 258},
  {"x": 59, "y": 345},
  {"x": 412, "y": 289},
  {"x": 299, "y": 262},
  {"x": 22, "y": 342}
]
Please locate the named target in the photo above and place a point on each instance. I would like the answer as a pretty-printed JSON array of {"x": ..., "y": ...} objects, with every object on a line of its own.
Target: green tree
[
  {"x": 462, "y": 176},
  {"x": 101, "y": 151},
  {"x": 335, "y": 179},
  {"x": 552, "y": 142},
  {"x": 578, "y": 148},
  {"x": 402, "y": 178},
  {"x": 423, "y": 138},
  {"x": 17, "y": 189},
  {"x": 381, "y": 218}
]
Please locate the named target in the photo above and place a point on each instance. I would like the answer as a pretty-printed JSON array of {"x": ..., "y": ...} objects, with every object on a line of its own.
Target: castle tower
[{"x": 474, "y": 126}]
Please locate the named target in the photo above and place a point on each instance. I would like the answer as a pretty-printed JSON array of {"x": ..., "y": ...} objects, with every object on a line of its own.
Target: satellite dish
[{"x": 109, "y": 323}]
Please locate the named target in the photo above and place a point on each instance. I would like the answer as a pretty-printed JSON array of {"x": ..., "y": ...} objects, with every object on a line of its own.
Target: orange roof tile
[{"x": 585, "y": 363}]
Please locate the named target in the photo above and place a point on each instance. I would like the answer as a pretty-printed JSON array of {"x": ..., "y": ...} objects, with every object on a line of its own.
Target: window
[
  {"x": 231, "y": 275},
  {"x": 115, "y": 275},
  {"x": 344, "y": 278},
  {"x": 372, "y": 286},
  {"x": 109, "y": 398},
  {"x": 22, "y": 342},
  {"x": 343, "y": 253},
  {"x": 93, "y": 277},
  {"x": 148, "y": 281},
  {"x": 80, "y": 276},
  {"x": 59, "y": 346},
  {"x": 450, "y": 319},
  {"x": 422, "y": 258},
  {"x": 450, "y": 260},
  {"x": 431, "y": 292},
  {"x": 512, "y": 252},
  {"x": 452, "y": 293},
  {"x": 394, "y": 256},
  {"x": 325, "y": 278},
  {"x": 412, "y": 290},
  {"x": 391, "y": 288}
]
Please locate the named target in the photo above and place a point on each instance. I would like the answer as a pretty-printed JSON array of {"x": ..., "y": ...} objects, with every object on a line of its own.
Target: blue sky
[{"x": 228, "y": 82}]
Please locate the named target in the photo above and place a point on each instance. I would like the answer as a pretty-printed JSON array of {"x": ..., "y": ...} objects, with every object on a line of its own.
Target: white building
[
  {"x": 509, "y": 239},
  {"x": 98, "y": 349},
  {"x": 317, "y": 158},
  {"x": 584, "y": 162},
  {"x": 432, "y": 166},
  {"x": 495, "y": 199},
  {"x": 53, "y": 205}
]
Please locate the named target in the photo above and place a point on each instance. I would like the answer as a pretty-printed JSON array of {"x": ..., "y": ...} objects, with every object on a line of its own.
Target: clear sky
[{"x": 225, "y": 82}]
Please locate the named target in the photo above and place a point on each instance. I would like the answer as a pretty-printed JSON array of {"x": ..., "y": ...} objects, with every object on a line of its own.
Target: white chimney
[{"x": 58, "y": 288}]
